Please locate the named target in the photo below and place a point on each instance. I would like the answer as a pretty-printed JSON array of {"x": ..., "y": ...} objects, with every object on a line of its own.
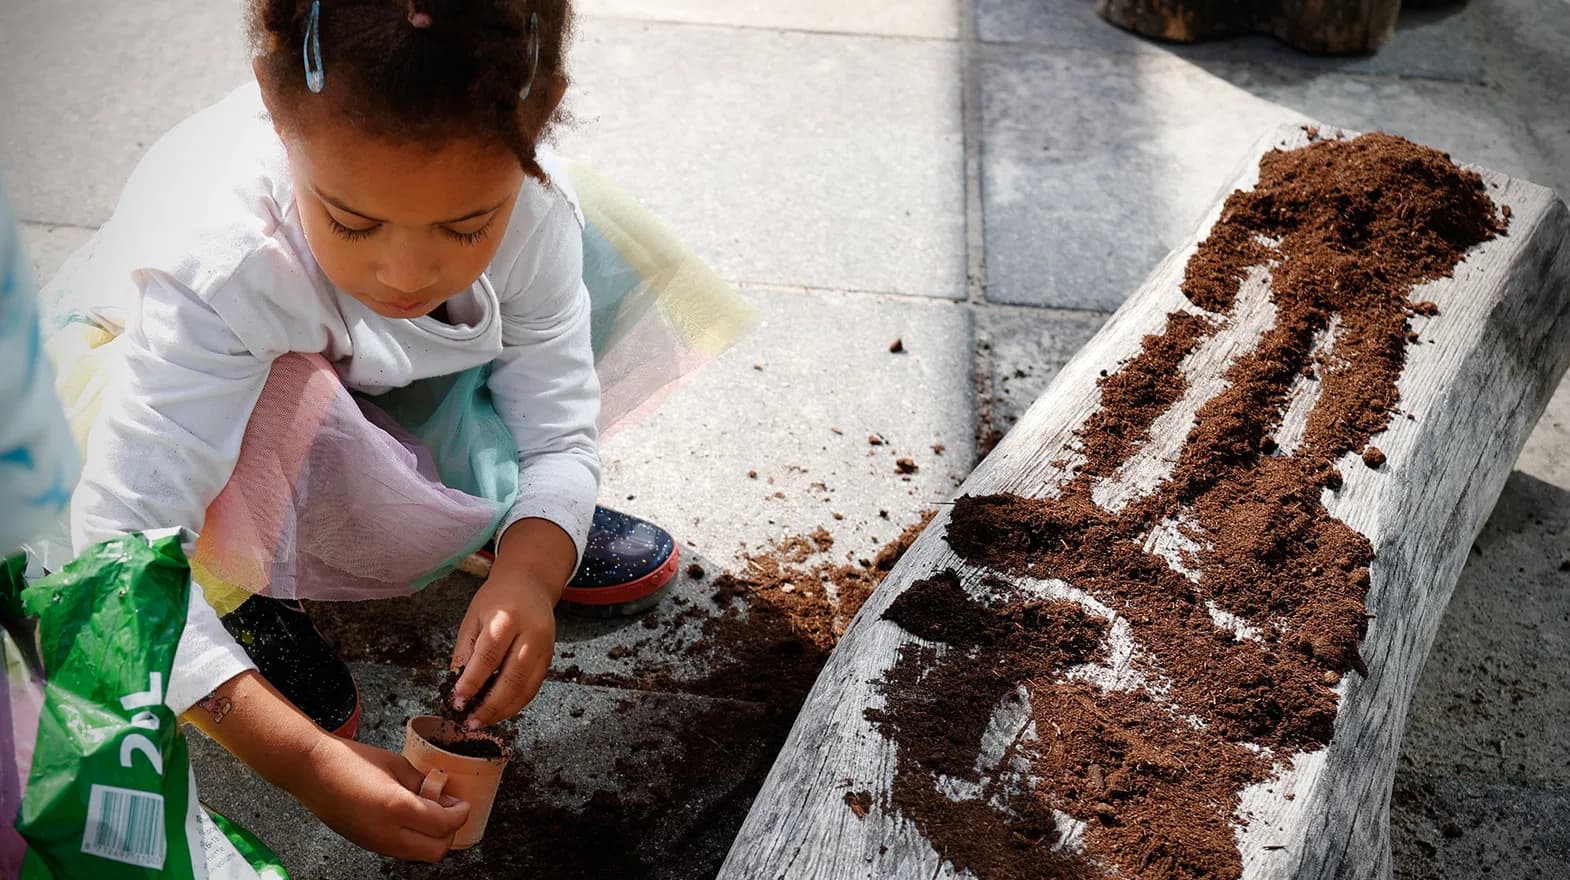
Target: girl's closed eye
[
  {"x": 350, "y": 233},
  {"x": 470, "y": 238}
]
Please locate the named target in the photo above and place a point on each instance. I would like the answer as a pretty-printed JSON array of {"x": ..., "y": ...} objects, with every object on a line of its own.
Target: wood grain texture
[{"x": 1473, "y": 387}]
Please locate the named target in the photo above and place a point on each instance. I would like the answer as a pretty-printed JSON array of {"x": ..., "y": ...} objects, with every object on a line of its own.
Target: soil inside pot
[{"x": 474, "y": 747}]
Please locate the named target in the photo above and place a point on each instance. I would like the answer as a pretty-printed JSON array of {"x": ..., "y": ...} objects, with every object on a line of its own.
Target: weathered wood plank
[{"x": 1473, "y": 388}]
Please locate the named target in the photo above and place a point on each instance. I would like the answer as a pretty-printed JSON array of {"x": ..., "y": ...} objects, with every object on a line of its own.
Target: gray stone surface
[
  {"x": 1495, "y": 680},
  {"x": 1523, "y": 47},
  {"x": 783, "y": 158},
  {"x": 825, "y": 365},
  {"x": 933, "y": 19},
  {"x": 88, "y": 86},
  {"x": 1453, "y": 829},
  {"x": 1087, "y": 184},
  {"x": 1429, "y": 43},
  {"x": 1018, "y": 354},
  {"x": 48, "y": 246},
  {"x": 1551, "y": 138},
  {"x": 1483, "y": 782}
]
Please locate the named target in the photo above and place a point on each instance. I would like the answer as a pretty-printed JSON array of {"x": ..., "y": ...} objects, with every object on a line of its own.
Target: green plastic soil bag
[{"x": 111, "y": 794}]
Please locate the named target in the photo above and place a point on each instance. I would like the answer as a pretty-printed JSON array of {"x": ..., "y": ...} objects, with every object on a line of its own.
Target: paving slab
[
  {"x": 1428, "y": 43},
  {"x": 86, "y": 87},
  {"x": 1523, "y": 45},
  {"x": 819, "y": 160},
  {"x": 48, "y": 246},
  {"x": 1543, "y": 456},
  {"x": 1450, "y": 829},
  {"x": 1551, "y": 138},
  {"x": 1094, "y": 165},
  {"x": 1495, "y": 678},
  {"x": 933, "y": 19},
  {"x": 795, "y": 403},
  {"x": 1018, "y": 353},
  {"x": 593, "y": 790}
]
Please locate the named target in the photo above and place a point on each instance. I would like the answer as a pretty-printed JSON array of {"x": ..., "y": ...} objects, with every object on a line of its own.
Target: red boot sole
[{"x": 630, "y": 591}]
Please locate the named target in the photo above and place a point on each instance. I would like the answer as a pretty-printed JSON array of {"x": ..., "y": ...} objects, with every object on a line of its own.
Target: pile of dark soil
[{"x": 1346, "y": 228}]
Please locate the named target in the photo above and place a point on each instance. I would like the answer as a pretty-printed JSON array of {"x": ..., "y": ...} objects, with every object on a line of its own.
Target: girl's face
[{"x": 401, "y": 228}]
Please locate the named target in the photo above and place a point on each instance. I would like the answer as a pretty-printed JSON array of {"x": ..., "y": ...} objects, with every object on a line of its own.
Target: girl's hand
[
  {"x": 510, "y": 627},
  {"x": 371, "y": 797},
  {"x": 368, "y": 795}
]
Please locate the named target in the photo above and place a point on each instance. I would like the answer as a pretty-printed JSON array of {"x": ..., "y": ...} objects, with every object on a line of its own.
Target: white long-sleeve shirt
[{"x": 206, "y": 264}]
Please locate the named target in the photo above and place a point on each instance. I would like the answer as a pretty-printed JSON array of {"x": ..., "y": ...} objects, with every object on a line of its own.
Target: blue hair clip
[
  {"x": 315, "y": 77},
  {"x": 534, "y": 55}
]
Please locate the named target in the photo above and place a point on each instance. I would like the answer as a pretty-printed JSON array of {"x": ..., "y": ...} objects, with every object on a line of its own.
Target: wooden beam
[{"x": 1473, "y": 389}]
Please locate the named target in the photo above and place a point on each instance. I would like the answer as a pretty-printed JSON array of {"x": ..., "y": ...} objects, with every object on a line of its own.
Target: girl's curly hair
[{"x": 421, "y": 71}]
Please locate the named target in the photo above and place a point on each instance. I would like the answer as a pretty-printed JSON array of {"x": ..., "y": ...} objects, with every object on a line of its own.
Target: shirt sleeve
[
  {"x": 166, "y": 443},
  {"x": 544, "y": 383}
]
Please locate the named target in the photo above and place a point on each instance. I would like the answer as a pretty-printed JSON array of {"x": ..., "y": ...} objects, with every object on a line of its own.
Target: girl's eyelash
[
  {"x": 469, "y": 238},
  {"x": 349, "y": 234}
]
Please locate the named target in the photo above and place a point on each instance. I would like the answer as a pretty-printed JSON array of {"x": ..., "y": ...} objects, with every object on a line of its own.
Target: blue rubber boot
[{"x": 628, "y": 565}]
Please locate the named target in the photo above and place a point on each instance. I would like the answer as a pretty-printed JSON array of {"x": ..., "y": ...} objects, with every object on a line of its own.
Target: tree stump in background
[{"x": 1331, "y": 27}]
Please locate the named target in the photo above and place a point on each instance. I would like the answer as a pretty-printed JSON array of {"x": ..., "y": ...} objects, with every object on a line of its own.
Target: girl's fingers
[
  {"x": 432, "y": 818},
  {"x": 489, "y": 649},
  {"x": 434, "y": 784},
  {"x": 468, "y": 631},
  {"x": 417, "y": 845},
  {"x": 521, "y": 677}
]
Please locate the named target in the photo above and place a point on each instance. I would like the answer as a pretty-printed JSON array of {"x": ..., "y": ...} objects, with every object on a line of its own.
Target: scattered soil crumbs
[
  {"x": 1346, "y": 230},
  {"x": 777, "y": 621},
  {"x": 860, "y": 802}
]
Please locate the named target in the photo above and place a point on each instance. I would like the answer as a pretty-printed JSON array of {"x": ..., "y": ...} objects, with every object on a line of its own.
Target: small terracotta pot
[{"x": 470, "y": 779}]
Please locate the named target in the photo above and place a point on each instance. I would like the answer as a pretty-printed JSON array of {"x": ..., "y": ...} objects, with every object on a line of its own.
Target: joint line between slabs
[{"x": 970, "y": 122}]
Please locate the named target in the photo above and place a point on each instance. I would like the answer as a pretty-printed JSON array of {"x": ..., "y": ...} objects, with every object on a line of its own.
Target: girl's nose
[{"x": 406, "y": 270}]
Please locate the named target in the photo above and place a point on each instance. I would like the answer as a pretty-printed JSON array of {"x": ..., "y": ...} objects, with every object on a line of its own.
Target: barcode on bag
[{"x": 125, "y": 825}]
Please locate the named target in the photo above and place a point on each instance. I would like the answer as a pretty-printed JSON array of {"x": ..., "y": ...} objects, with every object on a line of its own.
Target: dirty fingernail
[
  {"x": 474, "y": 724},
  {"x": 457, "y": 702}
]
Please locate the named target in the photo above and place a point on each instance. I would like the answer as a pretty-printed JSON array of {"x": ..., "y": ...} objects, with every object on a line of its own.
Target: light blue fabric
[
  {"x": 611, "y": 282},
  {"x": 38, "y": 463},
  {"x": 468, "y": 445}
]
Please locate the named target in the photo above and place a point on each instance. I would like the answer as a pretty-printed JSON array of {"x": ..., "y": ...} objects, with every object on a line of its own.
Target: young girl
[{"x": 339, "y": 326}]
